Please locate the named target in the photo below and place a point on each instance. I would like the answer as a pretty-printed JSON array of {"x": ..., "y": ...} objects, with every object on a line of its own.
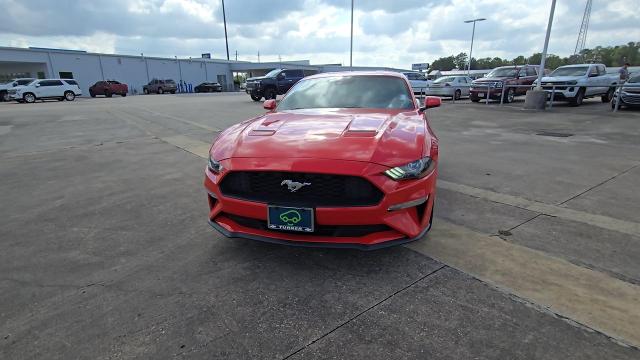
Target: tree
[
  {"x": 444, "y": 63},
  {"x": 461, "y": 60}
]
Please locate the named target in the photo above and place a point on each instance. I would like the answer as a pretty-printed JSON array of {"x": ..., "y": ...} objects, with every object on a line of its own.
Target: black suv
[{"x": 276, "y": 82}]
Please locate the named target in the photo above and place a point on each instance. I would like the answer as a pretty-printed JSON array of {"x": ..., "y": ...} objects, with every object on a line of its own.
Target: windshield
[
  {"x": 444, "y": 80},
  {"x": 503, "y": 72},
  {"x": 374, "y": 92},
  {"x": 634, "y": 79},
  {"x": 273, "y": 73},
  {"x": 570, "y": 71}
]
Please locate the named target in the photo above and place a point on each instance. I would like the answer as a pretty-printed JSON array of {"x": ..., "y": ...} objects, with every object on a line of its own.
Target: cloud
[{"x": 386, "y": 33}]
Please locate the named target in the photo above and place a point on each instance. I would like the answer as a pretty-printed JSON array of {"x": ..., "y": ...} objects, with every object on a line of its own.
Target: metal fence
[{"x": 551, "y": 98}]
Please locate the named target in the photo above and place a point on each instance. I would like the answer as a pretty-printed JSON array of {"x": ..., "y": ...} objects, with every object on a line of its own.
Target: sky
[{"x": 392, "y": 33}]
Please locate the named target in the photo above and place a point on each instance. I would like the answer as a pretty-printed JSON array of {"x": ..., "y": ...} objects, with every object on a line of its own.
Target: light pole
[
  {"x": 224, "y": 18},
  {"x": 473, "y": 33},
  {"x": 546, "y": 45},
  {"x": 351, "y": 48}
]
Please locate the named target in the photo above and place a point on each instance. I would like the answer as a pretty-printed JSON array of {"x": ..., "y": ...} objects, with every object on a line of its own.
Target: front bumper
[
  {"x": 241, "y": 218},
  {"x": 480, "y": 92}
]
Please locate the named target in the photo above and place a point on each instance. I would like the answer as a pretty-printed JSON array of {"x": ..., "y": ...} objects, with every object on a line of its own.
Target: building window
[
  {"x": 66, "y": 75},
  {"x": 41, "y": 75}
]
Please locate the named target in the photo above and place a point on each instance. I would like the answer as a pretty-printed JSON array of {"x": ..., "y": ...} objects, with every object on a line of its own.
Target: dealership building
[{"x": 136, "y": 71}]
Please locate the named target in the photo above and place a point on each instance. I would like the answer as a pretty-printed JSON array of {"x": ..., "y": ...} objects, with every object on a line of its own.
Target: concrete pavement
[{"x": 106, "y": 252}]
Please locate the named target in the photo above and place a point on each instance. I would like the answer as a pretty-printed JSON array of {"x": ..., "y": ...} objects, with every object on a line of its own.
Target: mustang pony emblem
[{"x": 293, "y": 186}]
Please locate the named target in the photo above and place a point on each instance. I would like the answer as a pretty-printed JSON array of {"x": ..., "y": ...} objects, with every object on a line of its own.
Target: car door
[
  {"x": 522, "y": 80},
  {"x": 47, "y": 88},
  {"x": 56, "y": 88},
  {"x": 463, "y": 85},
  {"x": 593, "y": 80},
  {"x": 289, "y": 78}
]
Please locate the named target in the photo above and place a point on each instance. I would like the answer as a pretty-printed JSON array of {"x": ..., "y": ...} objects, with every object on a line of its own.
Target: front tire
[
  {"x": 69, "y": 95},
  {"x": 145, "y": 91},
  {"x": 92, "y": 94},
  {"x": 29, "y": 98},
  {"x": 107, "y": 94},
  {"x": 160, "y": 91},
  {"x": 255, "y": 97},
  {"x": 608, "y": 96},
  {"x": 4, "y": 96},
  {"x": 577, "y": 100},
  {"x": 123, "y": 94},
  {"x": 457, "y": 95},
  {"x": 270, "y": 94},
  {"x": 509, "y": 95}
]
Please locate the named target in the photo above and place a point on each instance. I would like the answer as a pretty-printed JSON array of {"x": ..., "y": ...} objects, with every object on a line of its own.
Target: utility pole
[
  {"x": 351, "y": 48},
  {"x": 258, "y": 55},
  {"x": 473, "y": 33},
  {"x": 224, "y": 18},
  {"x": 546, "y": 45},
  {"x": 236, "y": 55}
]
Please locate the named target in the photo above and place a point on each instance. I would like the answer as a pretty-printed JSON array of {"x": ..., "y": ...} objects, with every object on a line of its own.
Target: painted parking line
[
  {"x": 186, "y": 143},
  {"x": 588, "y": 297},
  {"x": 605, "y": 222}
]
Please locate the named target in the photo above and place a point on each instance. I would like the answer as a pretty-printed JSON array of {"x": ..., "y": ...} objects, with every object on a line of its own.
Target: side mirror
[
  {"x": 269, "y": 105},
  {"x": 431, "y": 102},
  {"x": 38, "y": 85},
  {"x": 592, "y": 75}
]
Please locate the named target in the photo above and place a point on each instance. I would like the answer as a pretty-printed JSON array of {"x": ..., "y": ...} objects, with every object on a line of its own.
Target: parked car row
[{"x": 571, "y": 83}]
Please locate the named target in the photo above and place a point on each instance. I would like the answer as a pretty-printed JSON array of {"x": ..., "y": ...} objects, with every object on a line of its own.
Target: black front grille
[
  {"x": 320, "y": 230},
  {"x": 324, "y": 190}
]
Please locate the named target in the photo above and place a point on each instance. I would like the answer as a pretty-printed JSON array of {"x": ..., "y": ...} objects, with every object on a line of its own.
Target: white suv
[{"x": 60, "y": 89}]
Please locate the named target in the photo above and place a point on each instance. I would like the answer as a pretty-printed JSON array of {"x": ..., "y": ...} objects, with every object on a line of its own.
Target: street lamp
[{"x": 473, "y": 33}]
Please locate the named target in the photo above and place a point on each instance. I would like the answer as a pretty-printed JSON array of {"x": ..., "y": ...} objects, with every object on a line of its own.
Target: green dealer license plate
[{"x": 290, "y": 219}]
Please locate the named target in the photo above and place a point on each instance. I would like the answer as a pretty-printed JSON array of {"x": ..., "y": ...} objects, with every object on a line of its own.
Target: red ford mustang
[{"x": 344, "y": 160}]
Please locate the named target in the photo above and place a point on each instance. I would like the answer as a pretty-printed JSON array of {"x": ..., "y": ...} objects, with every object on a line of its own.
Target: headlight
[
  {"x": 413, "y": 170},
  {"x": 214, "y": 166}
]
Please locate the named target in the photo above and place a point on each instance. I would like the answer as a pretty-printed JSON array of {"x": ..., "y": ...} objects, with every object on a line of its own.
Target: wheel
[
  {"x": 509, "y": 95},
  {"x": 457, "y": 95},
  {"x": 123, "y": 94},
  {"x": 475, "y": 99},
  {"x": 29, "y": 98},
  {"x": 255, "y": 97},
  {"x": 92, "y": 94},
  {"x": 172, "y": 91},
  {"x": 577, "y": 100},
  {"x": 69, "y": 95},
  {"x": 196, "y": 90},
  {"x": 145, "y": 91},
  {"x": 160, "y": 91},
  {"x": 107, "y": 94},
  {"x": 608, "y": 96},
  {"x": 4, "y": 96},
  {"x": 269, "y": 94}
]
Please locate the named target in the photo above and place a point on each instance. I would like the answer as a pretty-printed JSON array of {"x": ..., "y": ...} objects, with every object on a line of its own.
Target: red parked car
[
  {"x": 344, "y": 160},
  {"x": 108, "y": 88}
]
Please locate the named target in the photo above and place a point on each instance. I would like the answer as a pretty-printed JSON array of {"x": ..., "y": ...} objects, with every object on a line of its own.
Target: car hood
[
  {"x": 500, "y": 78},
  {"x": 560, "y": 78},
  {"x": 389, "y": 138},
  {"x": 257, "y": 78}
]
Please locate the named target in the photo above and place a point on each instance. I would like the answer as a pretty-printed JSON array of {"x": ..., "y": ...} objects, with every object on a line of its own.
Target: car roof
[{"x": 356, "y": 73}]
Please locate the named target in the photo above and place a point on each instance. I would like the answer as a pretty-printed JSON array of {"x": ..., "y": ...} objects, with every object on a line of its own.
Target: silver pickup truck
[{"x": 574, "y": 83}]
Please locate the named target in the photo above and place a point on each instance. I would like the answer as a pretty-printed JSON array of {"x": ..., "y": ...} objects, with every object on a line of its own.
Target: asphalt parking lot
[{"x": 107, "y": 254}]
